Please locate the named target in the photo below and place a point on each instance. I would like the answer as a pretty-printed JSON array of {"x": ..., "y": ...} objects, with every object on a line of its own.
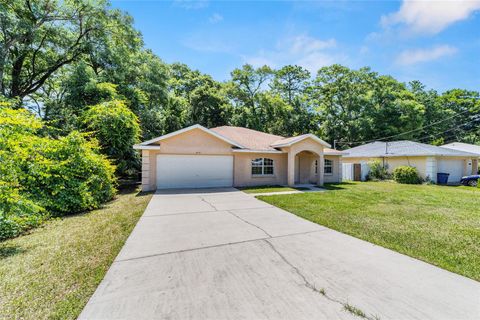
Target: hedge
[
  {"x": 406, "y": 175},
  {"x": 42, "y": 176}
]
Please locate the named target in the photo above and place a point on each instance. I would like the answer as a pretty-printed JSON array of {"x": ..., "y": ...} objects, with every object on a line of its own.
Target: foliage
[
  {"x": 40, "y": 37},
  {"x": 116, "y": 128},
  {"x": 406, "y": 175},
  {"x": 377, "y": 171},
  {"x": 40, "y": 176}
]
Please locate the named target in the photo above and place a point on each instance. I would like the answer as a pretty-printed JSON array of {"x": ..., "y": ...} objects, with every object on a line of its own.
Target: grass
[
  {"x": 265, "y": 189},
  {"x": 52, "y": 272},
  {"x": 437, "y": 224},
  {"x": 354, "y": 310}
]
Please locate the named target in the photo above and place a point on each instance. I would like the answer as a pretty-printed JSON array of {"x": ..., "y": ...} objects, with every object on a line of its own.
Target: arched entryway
[{"x": 306, "y": 167}]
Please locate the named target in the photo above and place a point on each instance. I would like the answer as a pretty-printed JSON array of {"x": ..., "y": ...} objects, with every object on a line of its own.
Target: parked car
[{"x": 470, "y": 180}]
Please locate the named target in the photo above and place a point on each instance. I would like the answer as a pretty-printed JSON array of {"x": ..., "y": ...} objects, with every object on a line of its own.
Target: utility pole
[{"x": 335, "y": 144}]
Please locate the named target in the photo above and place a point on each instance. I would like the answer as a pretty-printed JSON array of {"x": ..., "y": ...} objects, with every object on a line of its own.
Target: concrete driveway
[{"x": 222, "y": 254}]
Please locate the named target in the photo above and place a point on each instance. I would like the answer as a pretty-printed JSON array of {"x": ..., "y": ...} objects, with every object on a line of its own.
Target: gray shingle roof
[
  {"x": 402, "y": 149},
  {"x": 472, "y": 148}
]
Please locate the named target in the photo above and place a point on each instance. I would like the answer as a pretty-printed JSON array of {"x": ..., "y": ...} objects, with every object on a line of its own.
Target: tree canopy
[{"x": 60, "y": 58}]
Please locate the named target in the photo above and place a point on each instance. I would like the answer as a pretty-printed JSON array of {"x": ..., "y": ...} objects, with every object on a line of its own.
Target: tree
[
  {"x": 204, "y": 97},
  {"x": 244, "y": 89},
  {"x": 116, "y": 128},
  {"x": 340, "y": 96},
  {"x": 290, "y": 82},
  {"x": 40, "y": 37}
]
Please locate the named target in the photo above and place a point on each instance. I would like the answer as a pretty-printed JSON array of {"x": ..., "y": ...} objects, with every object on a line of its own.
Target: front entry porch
[{"x": 305, "y": 167}]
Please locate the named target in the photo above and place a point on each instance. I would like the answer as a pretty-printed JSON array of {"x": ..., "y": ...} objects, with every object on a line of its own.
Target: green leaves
[
  {"x": 41, "y": 176},
  {"x": 116, "y": 128}
]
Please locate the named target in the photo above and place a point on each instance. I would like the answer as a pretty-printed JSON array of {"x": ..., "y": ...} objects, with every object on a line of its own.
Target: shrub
[
  {"x": 377, "y": 171},
  {"x": 40, "y": 176},
  {"x": 407, "y": 175},
  {"x": 69, "y": 175},
  {"x": 116, "y": 128}
]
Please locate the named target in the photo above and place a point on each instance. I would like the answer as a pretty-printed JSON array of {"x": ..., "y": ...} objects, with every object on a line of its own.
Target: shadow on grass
[
  {"x": 8, "y": 251},
  {"x": 337, "y": 186},
  {"x": 267, "y": 186}
]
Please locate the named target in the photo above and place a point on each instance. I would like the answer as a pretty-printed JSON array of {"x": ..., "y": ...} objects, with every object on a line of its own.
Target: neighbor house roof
[
  {"x": 402, "y": 149},
  {"x": 467, "y": 147}
]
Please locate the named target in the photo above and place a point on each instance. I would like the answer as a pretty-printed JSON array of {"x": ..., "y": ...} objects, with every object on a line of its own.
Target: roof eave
[
  {"x": 142, "y": 147},
  {"x": 301, "y": 138},
  {"x": 195, "y": 126}
]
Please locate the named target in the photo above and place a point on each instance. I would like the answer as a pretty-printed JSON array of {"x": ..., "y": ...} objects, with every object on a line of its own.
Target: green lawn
[
  {"x": 265, "y": 189},
  {"x": 437, "y": 224},
  {"x": 52, "y": 272}
]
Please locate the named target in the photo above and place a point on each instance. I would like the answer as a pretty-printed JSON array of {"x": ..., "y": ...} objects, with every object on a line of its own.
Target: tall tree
[
  {"x": 40, "y": 37},
  {"x": 244, "y": 89}
]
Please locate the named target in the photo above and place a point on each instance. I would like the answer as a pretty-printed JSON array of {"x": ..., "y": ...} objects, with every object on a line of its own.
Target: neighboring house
[
  {"x": 429, "y": 160},
  {"x": 467, "y": 147},
  {"x": 197, "y": 157}
]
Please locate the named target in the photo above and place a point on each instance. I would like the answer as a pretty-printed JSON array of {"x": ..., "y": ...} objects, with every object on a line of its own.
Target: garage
[
  {"x": 452, "y": 166},
  {"x": 194, "y": 171}
]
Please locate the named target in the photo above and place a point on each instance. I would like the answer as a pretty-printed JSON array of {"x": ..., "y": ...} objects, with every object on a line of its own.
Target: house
[
  {"x": 467, "y": 147},
  {"x": 429, "y": 160},
  {"x": 228, "y": 156}
]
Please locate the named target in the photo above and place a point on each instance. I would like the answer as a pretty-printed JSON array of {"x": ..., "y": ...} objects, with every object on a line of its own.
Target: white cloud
[
  {"x": 191, "y": 4},
  {"x": 431, "y": 16},
  {"x": 307, "y": 44},
  {"x": 215, "y": 18},
  {"x": 409, "y": 57},
  {"x": 205, "y": 43},
  {"x": 304, "y": 50}
]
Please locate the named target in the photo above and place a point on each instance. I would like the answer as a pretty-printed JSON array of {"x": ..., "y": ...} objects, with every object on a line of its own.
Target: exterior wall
[
  {"x": 195, "y": 142},
  {"x": 191, "y": 142},
  {"x": 427, "y": 167},
  {"x": 336, "y": 175},
  {"x": 242, "y": 169},
  {"x": 431, "y": 169},
  {"x": 307, "y": 169},
  {"x": 305, "y": 145},
  {"x": 199, "y": 142},
  {"x": 418, "y": 162}
]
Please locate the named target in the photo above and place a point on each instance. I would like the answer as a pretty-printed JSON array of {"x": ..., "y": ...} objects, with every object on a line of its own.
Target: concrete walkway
[{"x": 222, "y": 254}]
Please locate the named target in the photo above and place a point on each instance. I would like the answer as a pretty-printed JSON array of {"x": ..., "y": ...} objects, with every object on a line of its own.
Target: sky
[{"x": 436, "y": 42}]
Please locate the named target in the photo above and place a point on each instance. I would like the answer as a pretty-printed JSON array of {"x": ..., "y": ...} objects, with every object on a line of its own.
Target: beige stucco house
[
  {"x": 225, "y": 156},
  {"x": 428, "y": 159}
]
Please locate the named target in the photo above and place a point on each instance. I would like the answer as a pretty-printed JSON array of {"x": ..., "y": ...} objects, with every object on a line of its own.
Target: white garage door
[
  {"x": 186, "y": 171},
  {"x": 452, "y": 166}
]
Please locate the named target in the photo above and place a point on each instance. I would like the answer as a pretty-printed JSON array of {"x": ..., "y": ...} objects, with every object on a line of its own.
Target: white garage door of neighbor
[
  {"x": 194, "y": 171},
  {"x": 452, "y": 166}
]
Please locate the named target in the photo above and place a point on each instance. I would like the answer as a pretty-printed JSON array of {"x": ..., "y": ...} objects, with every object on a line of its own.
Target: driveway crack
[
  {"x": 346, "y": 306},
  {"x": 211, "y": 205},
  {"x": 250, "y": 223}
]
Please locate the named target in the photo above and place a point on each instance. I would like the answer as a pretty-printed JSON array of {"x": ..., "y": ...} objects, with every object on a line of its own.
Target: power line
[
  {"x": 454, "y": 128},
  {"x": 403, "y": 133}
]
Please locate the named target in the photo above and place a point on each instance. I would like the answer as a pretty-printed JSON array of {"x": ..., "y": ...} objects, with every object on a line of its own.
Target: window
[
  {"x": 262, "y": 167},
  {"x": 327, "y": 168}
]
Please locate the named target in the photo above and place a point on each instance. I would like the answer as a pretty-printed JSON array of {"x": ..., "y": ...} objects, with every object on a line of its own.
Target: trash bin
[{"x": 442, "y": 178}]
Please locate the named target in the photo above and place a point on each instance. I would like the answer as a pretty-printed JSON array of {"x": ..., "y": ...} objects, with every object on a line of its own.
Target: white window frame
[
  {"x": 325, "y": 166},
  {"x": 260, "y": 163},
  {"x": 329, "y": 165}
]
